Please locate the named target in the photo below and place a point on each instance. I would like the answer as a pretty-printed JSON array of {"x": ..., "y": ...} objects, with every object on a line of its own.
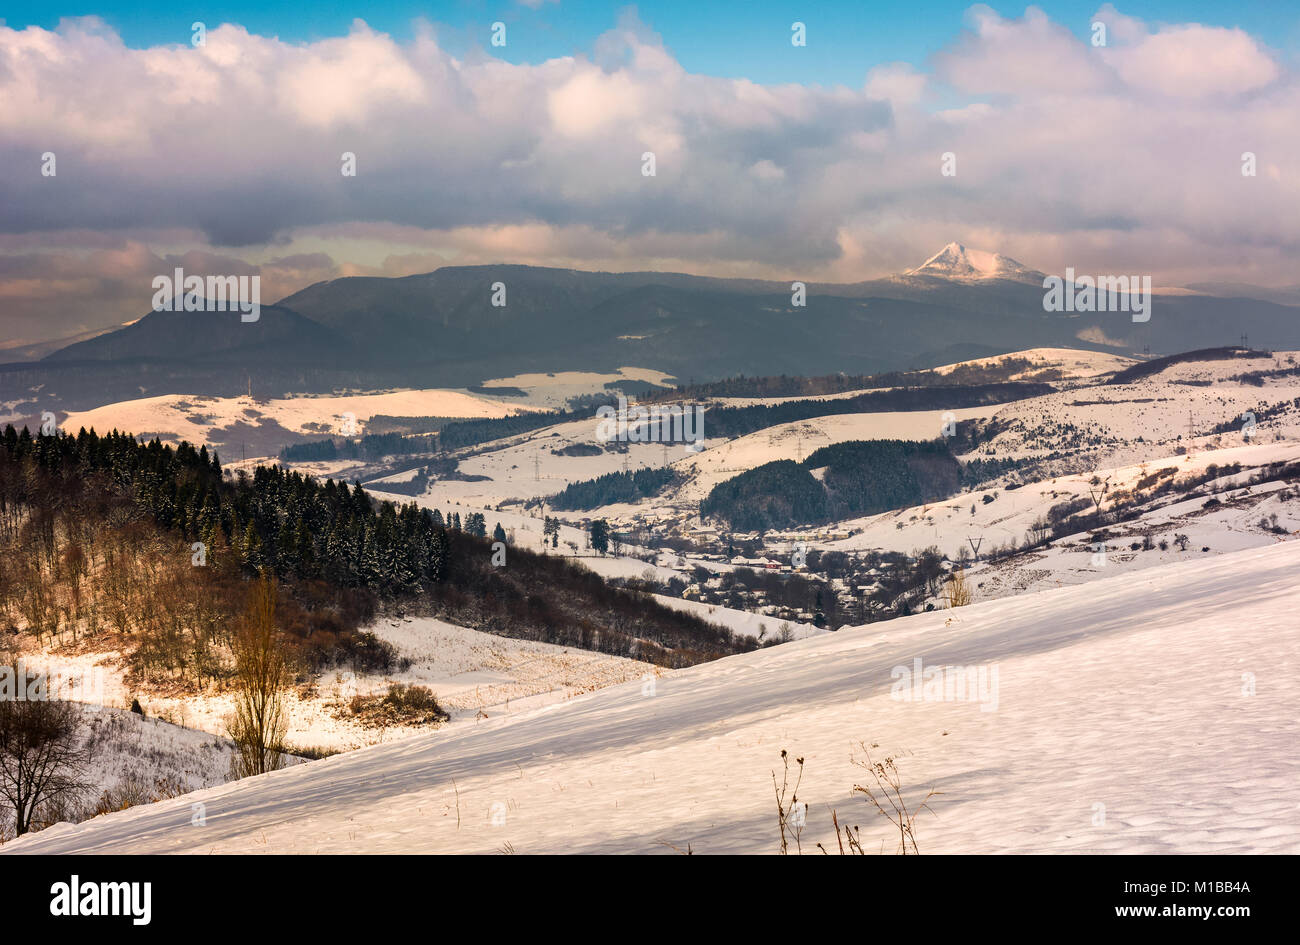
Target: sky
[
  {"x": 727, "y": 38},
  {"x": 821, "y": 162}
]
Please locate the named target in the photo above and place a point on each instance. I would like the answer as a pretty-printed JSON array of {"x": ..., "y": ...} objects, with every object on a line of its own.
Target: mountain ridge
[{"x": 444, "y": 329}]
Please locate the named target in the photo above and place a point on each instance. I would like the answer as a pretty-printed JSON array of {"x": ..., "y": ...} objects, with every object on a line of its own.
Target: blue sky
[{"x": 731, "y": 38}]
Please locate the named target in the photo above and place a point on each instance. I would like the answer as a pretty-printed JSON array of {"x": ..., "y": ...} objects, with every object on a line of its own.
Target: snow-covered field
[
  {"x": 1125, "y": 423},
  {"x": 759, "y": 626},
  {"x": 1071, "y": 363},
  {"x": 202, "y": 419},
  {"x": 1151, "y": 712},
  {"x": 553, "y": 390}
]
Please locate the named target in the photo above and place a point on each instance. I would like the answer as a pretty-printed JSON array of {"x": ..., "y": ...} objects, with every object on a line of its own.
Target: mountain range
[{"x": 442, "y": 329}]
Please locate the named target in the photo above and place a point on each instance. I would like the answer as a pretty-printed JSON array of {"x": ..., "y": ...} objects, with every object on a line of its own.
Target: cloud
[
  {"x": 1122, "y": 158},
  {"x": 1018, "y": 56},
  {"x": 1197, "y": 61}
]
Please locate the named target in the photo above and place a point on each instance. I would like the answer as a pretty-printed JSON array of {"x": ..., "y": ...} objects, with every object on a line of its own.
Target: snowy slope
[
  {"x": 1006, "y": 519},
  {"x": 263, "y": 427},
  {"x": 1063, "y": 363},
  {"x": 205, "y": 419},
  {"x": 1152, "y": 712},
  {"x": 1232, "y": 525}
]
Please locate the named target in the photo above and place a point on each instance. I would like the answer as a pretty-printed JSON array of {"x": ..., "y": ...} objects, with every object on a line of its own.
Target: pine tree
[
  {"x": 599, "y": 531},
  {"x": 250, "y": 550},
  {"x": 286, "y": 548},
  {"x": 369, "y": 570},
  {"x": 305, "y": 551}
]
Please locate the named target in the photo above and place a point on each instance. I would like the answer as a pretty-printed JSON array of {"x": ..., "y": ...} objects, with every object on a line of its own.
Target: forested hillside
[
  {"x": 773, "y": 495},
  {"x": 860, "y": 477},
  {"x": 153, "y": 547}
]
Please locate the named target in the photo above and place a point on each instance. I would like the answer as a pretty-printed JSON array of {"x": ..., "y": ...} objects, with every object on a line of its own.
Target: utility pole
[{"x": 975, "y": 546}]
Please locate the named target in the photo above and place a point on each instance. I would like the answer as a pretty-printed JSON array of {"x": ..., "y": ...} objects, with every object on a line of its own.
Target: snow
[
  {"x": 1070, "y": 362},
  {"x": 1153, "y": 712},
  {"x": 480, "y": 675},
  {"x": 527, "y": 466},
  {"x": 553, "y": 391},
  {"x": 799, "y": 439},
  {"x": 742, "y": 622},
  {"x": 129, "y": 748},
  {"x": 204, "y": 419},
  {"x": 948, "y": 523},
  {"x": 132, "y": 759},
  {"x": 1233, "y": 525},
  {"x": 955, "y": 261}
]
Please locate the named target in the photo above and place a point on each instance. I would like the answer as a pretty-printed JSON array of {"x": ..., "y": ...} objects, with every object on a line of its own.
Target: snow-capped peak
[{"x": 955, "y": 261}]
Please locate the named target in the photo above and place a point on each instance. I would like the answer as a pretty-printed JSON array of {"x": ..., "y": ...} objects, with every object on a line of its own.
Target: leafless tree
[
  {"x": 41, "y": 756},
  {"x": 259, "y": 726}
]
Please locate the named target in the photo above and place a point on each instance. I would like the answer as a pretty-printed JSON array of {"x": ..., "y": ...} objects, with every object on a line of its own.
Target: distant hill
[{"x": 277, "y": 335}]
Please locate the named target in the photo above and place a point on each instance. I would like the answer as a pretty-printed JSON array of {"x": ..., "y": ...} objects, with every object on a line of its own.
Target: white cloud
[{"x": 1195, "y": 61}]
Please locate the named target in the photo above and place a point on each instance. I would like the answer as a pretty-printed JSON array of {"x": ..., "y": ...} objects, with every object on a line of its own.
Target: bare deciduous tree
[
  {"x": 41, "y": 757},
  {"x": 258, "y": 726}
]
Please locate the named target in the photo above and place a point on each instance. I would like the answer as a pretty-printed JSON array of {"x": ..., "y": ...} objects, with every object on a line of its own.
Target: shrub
[
  {"x": 403, "y": 704},
  {"x": 958, "y": 593}
]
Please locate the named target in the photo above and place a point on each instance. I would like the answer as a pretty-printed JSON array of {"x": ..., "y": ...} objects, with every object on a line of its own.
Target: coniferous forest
[{"x": 619, "y": 486}]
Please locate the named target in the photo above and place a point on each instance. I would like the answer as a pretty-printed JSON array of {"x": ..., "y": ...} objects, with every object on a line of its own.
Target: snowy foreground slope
[{"x": 1123, "y": 720}]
